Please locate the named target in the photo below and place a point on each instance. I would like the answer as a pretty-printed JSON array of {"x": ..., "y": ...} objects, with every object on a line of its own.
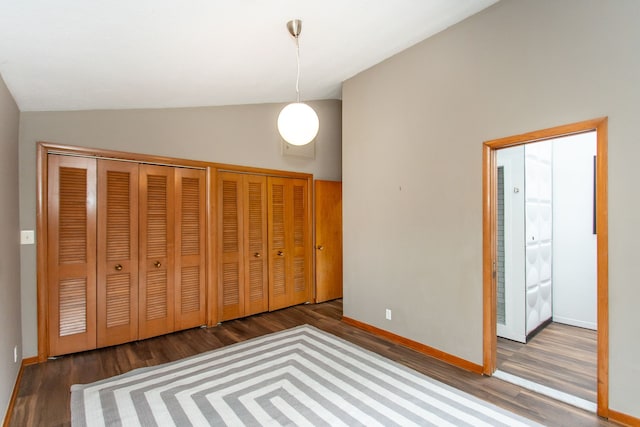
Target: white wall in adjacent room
[{"x": 574, "y": 244}]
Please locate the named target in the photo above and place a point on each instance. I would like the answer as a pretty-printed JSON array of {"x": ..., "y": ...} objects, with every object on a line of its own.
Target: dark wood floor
[
  {"x": 43, "y": 398},
  {"x": 560, "y": 356}
]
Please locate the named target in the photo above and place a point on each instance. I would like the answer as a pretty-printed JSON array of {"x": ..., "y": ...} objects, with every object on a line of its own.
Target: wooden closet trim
[
  {"x": 42, "y": 184},
  {"x": 259, "y": 171},
  {"x": 43, "y": 149},
  {"x": 70, "y": 150},
  {"x": 53, "y": 148}
]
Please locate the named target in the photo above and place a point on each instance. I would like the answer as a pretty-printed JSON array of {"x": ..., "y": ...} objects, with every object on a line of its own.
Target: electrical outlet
[
  {"x": 27, "y": 237},
  {"x": 387, "y": 314},
  {"x": 15, "y": 354}
]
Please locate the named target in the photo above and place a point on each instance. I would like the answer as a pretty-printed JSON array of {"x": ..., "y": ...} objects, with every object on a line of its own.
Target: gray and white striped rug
[{"x": 300, "y": 376}]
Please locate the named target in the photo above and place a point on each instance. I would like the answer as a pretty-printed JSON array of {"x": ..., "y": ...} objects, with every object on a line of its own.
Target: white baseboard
[{"x": 574, "y": 322}]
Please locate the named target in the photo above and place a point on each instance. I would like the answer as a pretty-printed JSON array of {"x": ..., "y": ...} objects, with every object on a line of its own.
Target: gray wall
[
  {"x": 242, "y": 135},
  {"x": 413, "y": 128},
  {"x": 9, "y": 247}
]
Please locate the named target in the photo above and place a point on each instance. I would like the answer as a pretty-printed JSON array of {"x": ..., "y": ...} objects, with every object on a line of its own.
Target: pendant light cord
[{"x": 298, "y": 74}]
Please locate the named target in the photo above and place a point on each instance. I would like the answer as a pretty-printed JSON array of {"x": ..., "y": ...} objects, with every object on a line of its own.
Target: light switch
[{"x": 27, "y": 237}]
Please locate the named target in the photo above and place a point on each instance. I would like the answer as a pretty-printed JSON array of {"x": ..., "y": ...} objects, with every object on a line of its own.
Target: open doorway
[
  {"x": 491, "y": 175},
  {"x": 546, "y": 267}
]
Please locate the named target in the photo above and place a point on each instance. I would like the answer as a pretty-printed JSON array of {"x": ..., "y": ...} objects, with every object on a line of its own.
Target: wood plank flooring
[
  {"x": 560, "y": 356},
  {"x": 43, "y": 397}
]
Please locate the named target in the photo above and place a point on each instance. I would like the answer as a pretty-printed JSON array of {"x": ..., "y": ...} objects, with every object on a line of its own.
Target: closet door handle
[
  {"x": 257, "y": 255},
  {"x": 157, "y": 264},
  {"x": 280, "y": 253},
  {"x": 320, "y": 247},
  {"x": 118, "y": 267}
]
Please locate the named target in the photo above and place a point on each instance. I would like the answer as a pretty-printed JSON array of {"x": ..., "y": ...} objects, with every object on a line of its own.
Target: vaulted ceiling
[{"x": 91, "y": 54}]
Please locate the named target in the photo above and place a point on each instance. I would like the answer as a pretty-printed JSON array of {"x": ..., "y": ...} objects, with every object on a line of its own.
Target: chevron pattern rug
[{"x": 300, "y": 376}]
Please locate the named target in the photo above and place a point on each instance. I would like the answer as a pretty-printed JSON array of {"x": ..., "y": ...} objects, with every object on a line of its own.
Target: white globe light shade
[{"x": 298, "y": 123}]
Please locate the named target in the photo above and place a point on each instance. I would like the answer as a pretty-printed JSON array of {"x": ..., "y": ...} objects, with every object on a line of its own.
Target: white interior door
[
  {"x": 511, "y": 245},
  {"x": 539, "y": 225}
]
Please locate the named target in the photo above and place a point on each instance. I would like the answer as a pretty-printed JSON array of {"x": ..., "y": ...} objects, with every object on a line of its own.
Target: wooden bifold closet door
[
  {"x": 117, "y": 249},
  {"x": 242, "y": 246},
  {"x": 289, "y": 240},
  {"x": 126, "y": 251},
  {"x": 190, "y": 240},
  {"x": 172, "y": 249},
  {"x": 71, "y": 253},
  {"x": 157, "y": 237}
]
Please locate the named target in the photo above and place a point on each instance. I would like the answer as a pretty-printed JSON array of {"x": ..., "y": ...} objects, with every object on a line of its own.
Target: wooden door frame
[{"x": 489, "y": 243}]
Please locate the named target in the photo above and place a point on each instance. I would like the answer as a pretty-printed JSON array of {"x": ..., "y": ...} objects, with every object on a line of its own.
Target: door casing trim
[{"x": 489, "y": 233}]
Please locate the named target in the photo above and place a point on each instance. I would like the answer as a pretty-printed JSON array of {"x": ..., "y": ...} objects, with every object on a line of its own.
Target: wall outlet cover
[{"x": 27, "y": 237}]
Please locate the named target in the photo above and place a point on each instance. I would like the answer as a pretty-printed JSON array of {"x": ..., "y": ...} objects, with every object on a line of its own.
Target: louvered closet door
[
  {"x": 242, "y": 221},
  {"x": 256, "y": 273},
  {"x": 190, "y": 248},
  {"x": 71, "y": 240},
  {"x": 157, "y": 236},
  {"x": 117, "y": 288},
  {"x": 300, "y": 243},
  {"x": 289, "y": 243},
  {"x": 230, "y": 242}
]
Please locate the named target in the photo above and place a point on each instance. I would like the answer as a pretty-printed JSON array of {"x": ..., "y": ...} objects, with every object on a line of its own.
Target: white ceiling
[{"x": 107, "y": 54}]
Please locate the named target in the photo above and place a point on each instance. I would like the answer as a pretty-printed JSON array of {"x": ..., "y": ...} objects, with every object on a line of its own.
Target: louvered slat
[
  {"x": 156, "y": 295},
  {"x": 299, "y": 282},
  {"x": 299, "y": 215},
  {"x": 73, "y": 306},
  {"x": 190, "y": 224},
  {"x": 256, "y": 281},
  {"x": 277, "y": 219},
  {"x": 190, "y": 289},
  {"x": 118, "y": 216},
  {"x": 279, "y": 287},
  {"x": 72, "y": 231},
  {"x": 156, "y": 216},
  {"x": 118, "y": 300},
  {"x": 256, "y": 216},
  {"x": 230, "y": 284},
  {"x": 230, "y": 236}
]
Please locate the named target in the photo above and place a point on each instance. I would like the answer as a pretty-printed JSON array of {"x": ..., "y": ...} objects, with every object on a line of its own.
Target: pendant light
[{"x": 298, "y": 123}]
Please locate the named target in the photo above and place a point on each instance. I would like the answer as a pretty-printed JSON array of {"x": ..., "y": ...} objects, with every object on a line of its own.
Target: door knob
[
  {"x": 157, "y": 264},
  {"x": 280, "y": 253},
  {"x": 320, "y": 247},
  {"x": 118, "y": 267},
  {"x": 257, "y": 255}
]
